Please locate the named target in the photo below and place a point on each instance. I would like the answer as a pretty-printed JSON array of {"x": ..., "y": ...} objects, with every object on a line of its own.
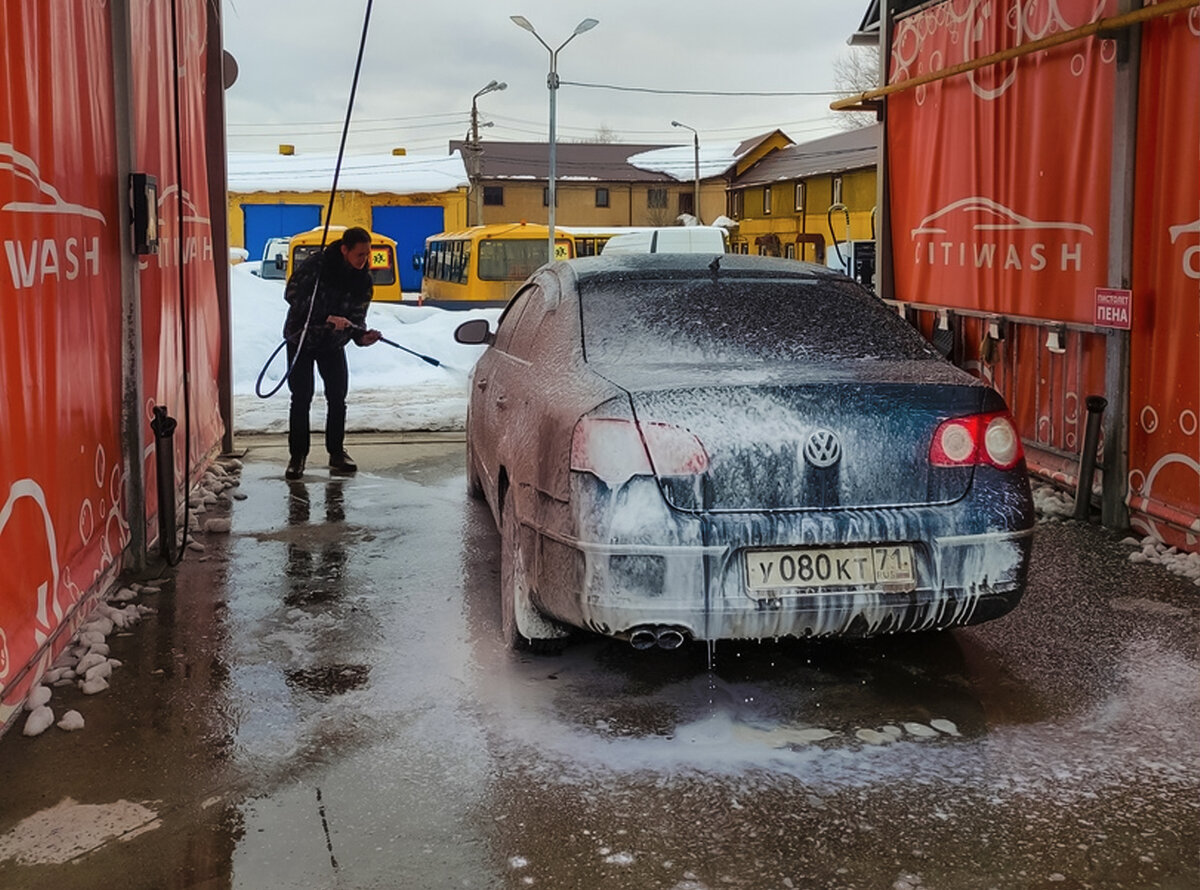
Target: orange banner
[
  {"x": 999, "y": 178},
  {"x": 1164, "y": 446},
  {"x": 64, "y": 520},
  {"x": 185, "y": 231}
]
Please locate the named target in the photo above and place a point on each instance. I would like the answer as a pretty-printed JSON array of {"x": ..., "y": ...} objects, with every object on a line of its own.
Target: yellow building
[
  {"x": 405, "y": 198},
  {"x": 798, "y": 201},
  {"x": 609, "y": 183}
]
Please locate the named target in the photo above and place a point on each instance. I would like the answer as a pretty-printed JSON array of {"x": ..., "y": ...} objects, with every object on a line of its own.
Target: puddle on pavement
[{"x": 329, "y": 680}]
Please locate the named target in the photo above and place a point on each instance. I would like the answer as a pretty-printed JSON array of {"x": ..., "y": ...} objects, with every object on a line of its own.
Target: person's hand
[
  {"x": 339, "y": 322},
  {"x": 371, "y": 336}
]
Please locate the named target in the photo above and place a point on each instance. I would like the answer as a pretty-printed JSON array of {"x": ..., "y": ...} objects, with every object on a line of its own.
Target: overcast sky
[{"x": 425, "y": 60}]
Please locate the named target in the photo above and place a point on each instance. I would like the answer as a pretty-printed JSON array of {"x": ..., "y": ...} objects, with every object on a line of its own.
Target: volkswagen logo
[{"x": 823, "y": 449}]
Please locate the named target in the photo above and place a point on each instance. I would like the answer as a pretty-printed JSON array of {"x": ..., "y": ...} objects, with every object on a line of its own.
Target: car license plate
[{"x": 809, "y": 567}]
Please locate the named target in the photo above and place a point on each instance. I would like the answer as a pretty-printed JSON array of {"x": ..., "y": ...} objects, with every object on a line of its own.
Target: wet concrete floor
[{"x": 322, "y": 700}]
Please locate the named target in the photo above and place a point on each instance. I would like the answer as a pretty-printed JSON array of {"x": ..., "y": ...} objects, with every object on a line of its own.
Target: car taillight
[
  {"x": 615, "y": 449},
  {"x": 977, "y": 439}
]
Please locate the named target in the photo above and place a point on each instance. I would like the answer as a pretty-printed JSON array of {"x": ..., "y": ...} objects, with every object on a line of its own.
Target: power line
[{"x": 730, "y": 93}]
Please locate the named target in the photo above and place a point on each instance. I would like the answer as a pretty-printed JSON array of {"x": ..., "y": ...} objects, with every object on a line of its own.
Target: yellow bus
[
  {"x": 590, "y": 240},
  {"x": 485, "y": 265},
  {"x": 382, "y": 264}
]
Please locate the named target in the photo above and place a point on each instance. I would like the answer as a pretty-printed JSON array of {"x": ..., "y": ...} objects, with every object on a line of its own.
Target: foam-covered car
[{"x": 685, "y": 446}]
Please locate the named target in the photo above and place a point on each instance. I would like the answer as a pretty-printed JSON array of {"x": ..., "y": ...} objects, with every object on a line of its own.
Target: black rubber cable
[
  {"x": 184, "y": 328},
  {"x": 337, "y": 170}
]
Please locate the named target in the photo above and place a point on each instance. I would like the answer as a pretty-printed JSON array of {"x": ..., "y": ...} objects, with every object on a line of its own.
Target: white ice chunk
[
  {"x": 38, "y": 697},
  {"x": 38, "y": 721},
  {"x": 920, "y": 730},
  {"x": 89, "y": 661},
  {"x": 91, "y": 687},
  {"x": 71, "y": 721},
  {"x": 218, "y": 526},
  {"x": 100, "y": 625}
]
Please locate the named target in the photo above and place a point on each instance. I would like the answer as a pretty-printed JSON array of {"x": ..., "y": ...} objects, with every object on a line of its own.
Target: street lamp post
[
  {"x": 552, "y": 85},
  {"x": 475, "y": 151},
  {"x": 696, "y": 180}
]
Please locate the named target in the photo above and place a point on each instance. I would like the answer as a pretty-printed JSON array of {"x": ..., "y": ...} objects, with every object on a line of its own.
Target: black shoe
[
  {"x": 340, "y": 464},
  {"x": 295, "y": 469}
]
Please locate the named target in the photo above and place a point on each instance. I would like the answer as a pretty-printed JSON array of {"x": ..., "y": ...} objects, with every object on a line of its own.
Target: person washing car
[{"x": 328, "y": 296}]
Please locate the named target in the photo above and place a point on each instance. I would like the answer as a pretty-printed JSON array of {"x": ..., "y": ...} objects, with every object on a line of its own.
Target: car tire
[
  {"x": 514, "y": 593},
  {"x": 474, "y": 485}
]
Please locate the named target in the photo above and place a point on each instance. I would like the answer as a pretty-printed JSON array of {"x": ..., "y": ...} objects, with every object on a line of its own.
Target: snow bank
[{"x": 389, "y": 389}]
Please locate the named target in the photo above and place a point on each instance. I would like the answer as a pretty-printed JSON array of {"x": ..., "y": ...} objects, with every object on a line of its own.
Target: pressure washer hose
[{"x": 337, "y": 170}]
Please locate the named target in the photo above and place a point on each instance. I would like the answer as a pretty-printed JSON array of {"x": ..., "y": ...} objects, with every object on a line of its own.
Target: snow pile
[
  {"x": 1050, "y": 503},
  {"x": 87, "y": 663},
  {"x": 679, "y": 161},
  {"x": 390, "y": 389},
  {"x": 370, "y": 174},
  {"x": 1151, "y": 550},
  {"x": 217, "y": 488}
]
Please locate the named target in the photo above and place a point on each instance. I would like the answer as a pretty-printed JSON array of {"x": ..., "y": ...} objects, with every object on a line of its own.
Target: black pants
[{"x": 331, "y": 363}]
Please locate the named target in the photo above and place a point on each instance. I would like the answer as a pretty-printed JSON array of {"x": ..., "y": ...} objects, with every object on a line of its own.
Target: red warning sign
[{"x": 1114, "y": 308}]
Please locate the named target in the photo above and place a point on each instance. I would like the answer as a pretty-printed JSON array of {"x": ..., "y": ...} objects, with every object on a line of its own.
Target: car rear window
[{"x": 739, "y": 321}]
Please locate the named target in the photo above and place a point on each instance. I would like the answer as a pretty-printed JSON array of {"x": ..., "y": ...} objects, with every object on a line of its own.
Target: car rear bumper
[{"x": 702, "y": 591}]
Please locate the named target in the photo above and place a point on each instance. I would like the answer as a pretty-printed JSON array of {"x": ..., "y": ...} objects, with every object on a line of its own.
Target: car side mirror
[
  {"x": 418, "y": 261},
  {"x": 279, "y": 262},
  {"x": 475, "y": 332}
]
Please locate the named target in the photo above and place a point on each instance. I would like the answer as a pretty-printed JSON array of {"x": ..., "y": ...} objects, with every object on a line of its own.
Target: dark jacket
[{"x": 340, "y": 289}]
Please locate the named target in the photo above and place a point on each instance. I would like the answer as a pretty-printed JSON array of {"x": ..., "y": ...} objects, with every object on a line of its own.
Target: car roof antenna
[{"x": 715, "y": 265}]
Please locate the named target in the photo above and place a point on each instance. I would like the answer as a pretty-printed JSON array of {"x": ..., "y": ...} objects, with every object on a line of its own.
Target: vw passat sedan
[{"x": 682, "y": 446}]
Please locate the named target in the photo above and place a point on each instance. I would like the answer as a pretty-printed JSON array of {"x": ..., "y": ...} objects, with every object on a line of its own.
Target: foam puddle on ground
[{"x": 70, "y": 829}]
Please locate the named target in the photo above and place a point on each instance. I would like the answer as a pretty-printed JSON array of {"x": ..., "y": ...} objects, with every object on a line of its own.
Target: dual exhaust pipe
[{"x": 647, "y": 637}]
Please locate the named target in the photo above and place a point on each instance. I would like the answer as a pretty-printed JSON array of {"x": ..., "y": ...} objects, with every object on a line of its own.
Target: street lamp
[
  {"x": 476, "y": 167},
  {"x": 696, "y": 186},
  {"x": 552, "y": 85}
]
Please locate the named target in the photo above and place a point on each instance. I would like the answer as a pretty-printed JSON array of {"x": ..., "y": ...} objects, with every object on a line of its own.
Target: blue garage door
[
  {"x": 265, "y": 221},
  {"x": 408, "y": 227}
]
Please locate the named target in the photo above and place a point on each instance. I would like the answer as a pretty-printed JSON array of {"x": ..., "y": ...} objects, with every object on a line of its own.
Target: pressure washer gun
[{"x": 359, "y": 329}]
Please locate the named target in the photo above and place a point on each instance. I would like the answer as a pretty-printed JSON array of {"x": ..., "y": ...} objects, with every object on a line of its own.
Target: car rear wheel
[
  {"x": 474, "y": 485},
  {"x": 518, "y": 616}
]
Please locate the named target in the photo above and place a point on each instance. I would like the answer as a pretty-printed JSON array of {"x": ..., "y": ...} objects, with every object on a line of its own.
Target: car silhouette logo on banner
[{"x": 823, "y": 449}]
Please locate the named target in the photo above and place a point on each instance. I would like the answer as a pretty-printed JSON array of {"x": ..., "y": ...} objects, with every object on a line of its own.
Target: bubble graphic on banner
[
  {"x": 1149, "y": 419},
  {"x": 1043, "y": 430},
  {"x": 1188, "y": 419},
  {"x": 4, "y": 664},
  {"x": 1071, "y": 407},
  {"x": 1108, "y": 51},
  {"x": 1137, "y": 482},
  {"x": 87, "y": 521},
  {"x": 100, "y": 462}
]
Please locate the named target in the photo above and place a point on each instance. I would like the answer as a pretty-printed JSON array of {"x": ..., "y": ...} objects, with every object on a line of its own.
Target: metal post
[
  {"x": 1087, "y": 457},
  {"x": 132, "y": 430},
  {"x": 884, "y": 278},
  {"x": 215, "y": 154},
  {"x": 552, "y": 85},
  {"x": 696, "y": 176},
  {"x": 475, "y": 152},
  {"x": 1114, "y": 512}
]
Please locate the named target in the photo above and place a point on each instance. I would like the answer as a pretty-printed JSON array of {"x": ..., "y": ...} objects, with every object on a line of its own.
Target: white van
[
  {"x": 672, "y": 239},
  {"x": 274, "y": 258}
]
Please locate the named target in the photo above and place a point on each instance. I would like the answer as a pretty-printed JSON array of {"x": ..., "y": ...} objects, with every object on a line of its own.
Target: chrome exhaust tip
[
  {"x": 670, "y": 638},
  {"x": 643, "y": 638}
]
